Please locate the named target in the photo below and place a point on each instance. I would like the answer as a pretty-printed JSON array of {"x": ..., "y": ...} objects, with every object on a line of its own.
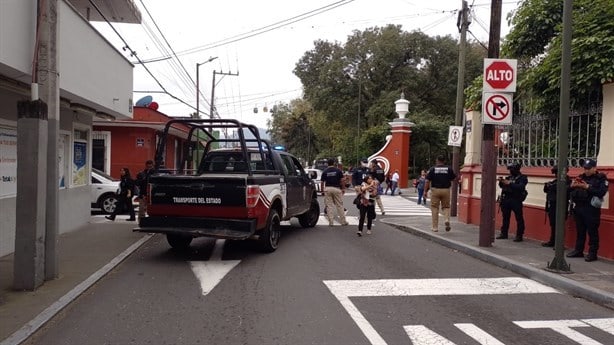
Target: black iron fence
[{"x": 533, "y": 140}]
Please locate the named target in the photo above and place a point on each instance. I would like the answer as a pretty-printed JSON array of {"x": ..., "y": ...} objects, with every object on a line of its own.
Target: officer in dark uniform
[
  {"x": 439, "y": 179},
  {"x": 378, "y": 172},
  {"x": 360, "y": 172},
  {"x": 142, "y": 181},
  {"x": 586, "y": 190},
  {"x": 513, "y": 193},
  {"x": 550, "y": 190}
]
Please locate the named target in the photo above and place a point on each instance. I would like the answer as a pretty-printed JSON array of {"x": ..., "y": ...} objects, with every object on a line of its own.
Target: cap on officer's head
[
  {"x": 589, "y": 163},
  {"x": 364, "y": 160}
]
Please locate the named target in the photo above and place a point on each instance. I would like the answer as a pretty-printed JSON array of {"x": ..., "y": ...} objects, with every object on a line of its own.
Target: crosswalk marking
[{"x": 399, "y": 206}]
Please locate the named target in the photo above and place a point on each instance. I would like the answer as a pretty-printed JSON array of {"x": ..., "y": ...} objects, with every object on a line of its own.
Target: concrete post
[
  {"x": 49, "y": 92},
  {"x": 29, "y": 256}
]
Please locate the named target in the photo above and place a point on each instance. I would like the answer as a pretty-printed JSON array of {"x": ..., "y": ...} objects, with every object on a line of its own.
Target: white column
[
  {"x": 473, "y": 138},
  {"x": 605, "y": 156}
]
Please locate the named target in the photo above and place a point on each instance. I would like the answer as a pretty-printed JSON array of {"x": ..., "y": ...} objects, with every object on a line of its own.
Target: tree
[{"x": 352, "y": 87}]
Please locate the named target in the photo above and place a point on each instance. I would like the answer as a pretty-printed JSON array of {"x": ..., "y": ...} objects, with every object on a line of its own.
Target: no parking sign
[{"x": 497, "y": 108}]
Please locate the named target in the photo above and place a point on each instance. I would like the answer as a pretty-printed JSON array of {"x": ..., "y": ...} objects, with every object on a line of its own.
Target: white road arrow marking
[{"x": 210, "y": 273}]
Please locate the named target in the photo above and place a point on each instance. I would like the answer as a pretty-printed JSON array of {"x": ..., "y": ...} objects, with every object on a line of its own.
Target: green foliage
[
  {"x": 536, "y": 40},
  {"x": 352, "y": 86}
]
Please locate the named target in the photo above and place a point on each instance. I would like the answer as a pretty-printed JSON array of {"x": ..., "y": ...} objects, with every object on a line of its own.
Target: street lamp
[{"x": 198, "y": 84}]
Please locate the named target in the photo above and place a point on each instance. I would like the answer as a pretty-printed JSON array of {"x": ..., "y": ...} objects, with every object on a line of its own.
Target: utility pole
[
  {"x": 462, "y": 23},
  {"x": 489, "y": 154},
  {"x": 559, "y": 264},
  {"x": 36, "y": 238},
  {"x": 212, "y": 109},
  {"x": 198, "y": 84}
]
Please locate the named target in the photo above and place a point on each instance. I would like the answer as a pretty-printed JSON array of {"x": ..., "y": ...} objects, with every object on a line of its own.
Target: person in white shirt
[{"x": 395, "y": 181}]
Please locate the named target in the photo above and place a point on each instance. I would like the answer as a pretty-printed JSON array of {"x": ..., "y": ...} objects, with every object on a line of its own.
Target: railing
[{"x": 533, "y": 140}]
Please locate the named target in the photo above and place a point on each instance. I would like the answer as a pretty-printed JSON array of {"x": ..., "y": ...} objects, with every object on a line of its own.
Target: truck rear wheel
[
  {"x": 179, "y": 242},
  {"x": 269, "y": 236},
  {"x": 310, "y": 218}
]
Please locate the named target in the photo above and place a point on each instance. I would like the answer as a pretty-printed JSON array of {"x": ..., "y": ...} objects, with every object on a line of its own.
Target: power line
[
  {"x": 193, "y": 83},
  {"x": 259, "y": 31},
  {"x": 133, "y": 53}
]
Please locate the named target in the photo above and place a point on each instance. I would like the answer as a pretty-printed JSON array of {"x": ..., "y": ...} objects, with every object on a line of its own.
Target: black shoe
[
  {"x": 501, "y": 237},
  {"x": 590, "y": 257},
  {"x": 110, "y": 218},
  {"x": 518, "y": 239},
  {"x": 131, "y": 219},
  {"x": 574, "y": 254},
  {"x": 548, "y": 244}
]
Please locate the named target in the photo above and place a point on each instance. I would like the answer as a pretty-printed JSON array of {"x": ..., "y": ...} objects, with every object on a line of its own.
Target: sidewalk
[
  {"x": 593, "y": 281},
  {"x": 87, "y": 254}
]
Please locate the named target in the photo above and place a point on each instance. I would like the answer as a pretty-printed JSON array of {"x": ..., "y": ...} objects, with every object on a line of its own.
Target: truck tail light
[{"x": 253, "y": 193}]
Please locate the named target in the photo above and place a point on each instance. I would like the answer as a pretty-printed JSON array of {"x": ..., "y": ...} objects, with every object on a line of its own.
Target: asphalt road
[{"x": 322, "y": 286}]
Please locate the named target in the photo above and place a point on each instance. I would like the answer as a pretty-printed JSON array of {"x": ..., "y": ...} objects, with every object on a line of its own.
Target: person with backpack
[
  {"x": 124, "y": 196},
  {"x": 513, "y": 194},
  {"x": 366, "y": 204}
]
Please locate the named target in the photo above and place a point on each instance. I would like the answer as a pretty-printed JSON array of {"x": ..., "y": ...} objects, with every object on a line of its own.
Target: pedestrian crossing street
[{"x": 395, "y": 206}]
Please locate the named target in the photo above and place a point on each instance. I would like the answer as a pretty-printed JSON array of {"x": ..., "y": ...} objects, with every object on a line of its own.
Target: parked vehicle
[
  {"x": 103, "y": 191},
  {"x": 241, "y": 191},
  {"x": 316, "y": 176}
]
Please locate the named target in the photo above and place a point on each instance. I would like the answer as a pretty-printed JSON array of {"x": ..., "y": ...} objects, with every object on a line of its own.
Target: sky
[{"x": 261, "y": 41}]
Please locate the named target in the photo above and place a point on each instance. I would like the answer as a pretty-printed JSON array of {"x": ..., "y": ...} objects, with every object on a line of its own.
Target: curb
[
  {"x": 569, "y": 286},
  {"x": 35, "y": 324}
]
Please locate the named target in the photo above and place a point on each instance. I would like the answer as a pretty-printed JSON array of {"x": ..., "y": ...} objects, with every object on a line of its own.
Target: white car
[
  {"x": 316, "y": 176},
  {"x": 104, "y": 189}
]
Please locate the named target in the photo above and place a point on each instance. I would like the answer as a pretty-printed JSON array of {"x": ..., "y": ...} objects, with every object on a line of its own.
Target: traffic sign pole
[{"x": 489, "y": 154}]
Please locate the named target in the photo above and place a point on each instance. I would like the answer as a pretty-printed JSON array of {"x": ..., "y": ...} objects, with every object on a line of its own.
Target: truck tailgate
[{"x": 198, "y": 196}]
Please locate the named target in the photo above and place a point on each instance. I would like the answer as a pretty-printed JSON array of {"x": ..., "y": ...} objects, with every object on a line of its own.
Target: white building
[{"x": 95, "y": 82}]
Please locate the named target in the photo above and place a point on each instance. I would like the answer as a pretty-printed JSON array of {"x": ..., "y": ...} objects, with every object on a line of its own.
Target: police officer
[
  {"x": 333, "y": 185},
  {"x": 513, "y": 193},
  {"x": 587, "y": 188},
  {"x": 439, "y": 179},
  {"x": 378, "y": 172},
  {"x": 550, "y": 190},
  {"x": 359, "y": 174}
]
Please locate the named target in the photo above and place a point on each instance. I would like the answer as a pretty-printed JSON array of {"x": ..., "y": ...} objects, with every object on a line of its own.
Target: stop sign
[{"x": 499, "y": 75}]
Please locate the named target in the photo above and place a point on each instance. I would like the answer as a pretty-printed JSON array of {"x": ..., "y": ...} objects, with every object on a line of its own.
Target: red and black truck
[{"x": 234, "y": 188}]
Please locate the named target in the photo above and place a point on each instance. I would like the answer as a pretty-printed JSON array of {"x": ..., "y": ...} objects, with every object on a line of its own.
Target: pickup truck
[{"x": 235, "y": 188}]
